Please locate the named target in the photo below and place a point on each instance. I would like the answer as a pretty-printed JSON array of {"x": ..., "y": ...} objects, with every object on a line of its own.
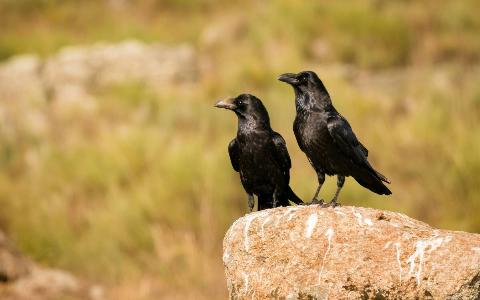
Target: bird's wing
[
  {"x": 364, "y": 149},
  {"x": 343, "y": 135},
  {"x": 281, "y": 153},
  {"x": 234, "y": 155}
]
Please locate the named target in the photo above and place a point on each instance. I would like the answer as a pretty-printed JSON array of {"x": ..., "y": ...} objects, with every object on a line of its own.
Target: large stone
[
  {"x": 106, "y": 64},
  {"x": 309, "y": 252},
  {"x": 23, "y": 279},
  {"x": 37, "y": 94},
  {"x": 13, "y": 265}
]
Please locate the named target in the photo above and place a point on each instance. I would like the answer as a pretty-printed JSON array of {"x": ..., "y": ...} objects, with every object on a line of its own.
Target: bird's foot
[
  {"x": 251, "y": 204},
  {"x": 332, "y": 204},
  {"x": 316, "y": 201}
]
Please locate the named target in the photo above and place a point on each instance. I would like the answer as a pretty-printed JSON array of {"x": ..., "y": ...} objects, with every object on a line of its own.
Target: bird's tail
[
  {"x": 293, "y": 197},
  {"x": 376, "y": 173},
  {"x": 380, "y": 176},
  {"x": 372, "y": 180}
]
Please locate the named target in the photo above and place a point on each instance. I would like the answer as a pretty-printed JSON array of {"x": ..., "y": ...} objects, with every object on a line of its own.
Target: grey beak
[
  {"x": 289, "y": 78},
  {"x": 227, "y": 104}
]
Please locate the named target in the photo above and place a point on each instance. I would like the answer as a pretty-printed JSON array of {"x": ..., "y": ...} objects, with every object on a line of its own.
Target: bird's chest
[
  {"x": 253, "y": 147},
  {"x": 311, "y": 131},
  {"x": 313, "y": 137},
  {"x": 255, "y": 157}
]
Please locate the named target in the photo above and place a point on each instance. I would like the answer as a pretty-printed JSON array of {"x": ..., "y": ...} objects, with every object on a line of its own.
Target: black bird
[
  {"x": 259, "y": 154},
  {"x": 327, "y": 138}
]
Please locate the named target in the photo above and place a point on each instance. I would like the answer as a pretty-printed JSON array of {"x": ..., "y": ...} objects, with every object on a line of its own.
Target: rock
[
  {"x": 37, "y": 92},
  {"x": 309, "y": 252},
  {"x": 22, "y": 279},
  {"x": 12, "y": 264},
  {"x": 20, "y": 78},
  {"x": 84, "y": 68},
  {"x": 223, "y": 31},
  {"x": 42, "y": 283}
]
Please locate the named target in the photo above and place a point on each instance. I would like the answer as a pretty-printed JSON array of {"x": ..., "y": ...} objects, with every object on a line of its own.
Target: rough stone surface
[
  {"x": 309, "y": 252},
  {"x": 76, "y": 71},
  {"x": 22, "y": 279},
  {"x": 12, "y": 264},
  {"x": 38, "y": 93}
]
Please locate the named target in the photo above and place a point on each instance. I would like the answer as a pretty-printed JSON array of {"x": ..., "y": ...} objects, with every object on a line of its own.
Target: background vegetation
[{"x": 143, "y": 210}]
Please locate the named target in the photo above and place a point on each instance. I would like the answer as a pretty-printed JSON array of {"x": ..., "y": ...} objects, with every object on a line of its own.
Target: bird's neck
[
  {"x": 312, "y": 101},
  {"x": 250, "y": 123}
]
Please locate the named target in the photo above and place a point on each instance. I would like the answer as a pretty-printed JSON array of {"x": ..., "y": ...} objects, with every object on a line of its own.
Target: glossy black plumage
[
  {"x": 326, "y": 137},
  {"x": 259, "y": 154}
]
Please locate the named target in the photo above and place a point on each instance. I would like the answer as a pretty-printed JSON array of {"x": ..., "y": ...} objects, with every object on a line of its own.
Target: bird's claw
[
  {"x": 274, "y": 204},
  {"x": 316, "y": 201},
  {"x": 332, "y": 204},
  {"x": 251, "y": 204}
]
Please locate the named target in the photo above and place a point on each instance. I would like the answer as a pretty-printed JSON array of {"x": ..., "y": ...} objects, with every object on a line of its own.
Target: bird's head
[
  {"x": 246, "y": 107},
  {"x": 309, "y": 89},
  {"x": 303, "y": 81}
]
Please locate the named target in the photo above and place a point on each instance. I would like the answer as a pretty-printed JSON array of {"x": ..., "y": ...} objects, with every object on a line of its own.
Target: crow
[
  {"x": 259, "y": 154},
  {"x": 327, "y": 139}
]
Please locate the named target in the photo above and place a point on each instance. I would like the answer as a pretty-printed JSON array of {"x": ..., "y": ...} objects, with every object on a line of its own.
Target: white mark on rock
[
  {"x": 291, "y": 216},
  {"x": 311, "y": 222},
  {"x": 368, "y": 221},
  {"x": 361, "y": 221},
  {"x": 397, "y": 247},
  {"x": 248, "y": 220},
  {"x": 225, "y": 257},
  {"x": 476, "y": 249},
  {"x": 245, "y": 280},
  {"x": 359, "y": 217},
  {"x": 422, "y": 247},
  {"x": 231, "y": 232},
  {"x": 387, "y": 245},
  {"x": 289, "y": 212},
  {"x": 394, "y": 224},
  {"x": 329, "y": 234},
  {"x": 339, "y": 212},
  {"x": 263, "y": 225},
  {"x": 291, "y": 296}
]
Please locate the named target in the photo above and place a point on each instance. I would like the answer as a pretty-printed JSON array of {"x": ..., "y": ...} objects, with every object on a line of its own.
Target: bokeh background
[{"x": 113, "y": 161}]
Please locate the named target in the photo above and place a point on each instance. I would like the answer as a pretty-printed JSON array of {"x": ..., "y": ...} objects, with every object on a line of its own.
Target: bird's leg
[
  {"x": 321, "y": 180},
  {"x": 317, "y": 192},
  {"x": 275, "y": 198},
  {"x": 251, "y": 202},
  {"x": 340, "y": 182}
]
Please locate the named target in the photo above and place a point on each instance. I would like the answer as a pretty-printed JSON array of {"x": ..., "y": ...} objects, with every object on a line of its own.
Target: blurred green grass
[{"x": 144, "y": 189}]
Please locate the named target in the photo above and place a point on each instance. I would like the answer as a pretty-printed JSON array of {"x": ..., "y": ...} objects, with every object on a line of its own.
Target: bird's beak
[
  {"x": 227, "y": 104},
  {"x": 289, "y": 78}
]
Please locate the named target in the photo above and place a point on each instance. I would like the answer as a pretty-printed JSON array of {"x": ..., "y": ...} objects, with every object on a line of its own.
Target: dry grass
[{"x": 140, "y": 202}]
